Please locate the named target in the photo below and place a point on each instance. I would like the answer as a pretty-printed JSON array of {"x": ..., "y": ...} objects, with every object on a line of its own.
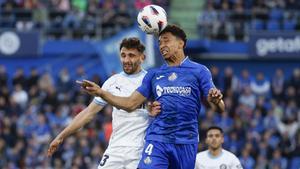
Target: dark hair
[
  {"x": 132, "y": 43},
  {"x": 215, "y": 128},
  {"x": 176, "y": 31}
]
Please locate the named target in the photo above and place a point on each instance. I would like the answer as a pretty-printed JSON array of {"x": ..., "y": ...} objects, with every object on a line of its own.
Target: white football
[{"x": 152, "y": 19}]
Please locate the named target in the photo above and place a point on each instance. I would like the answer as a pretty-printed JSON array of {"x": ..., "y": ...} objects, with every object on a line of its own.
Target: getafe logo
[
  {"x": 147, "y": 160},
  {"x": 172, "y": 77}
]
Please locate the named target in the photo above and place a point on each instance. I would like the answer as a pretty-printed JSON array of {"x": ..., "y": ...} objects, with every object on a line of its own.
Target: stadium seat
[
  {"x": 295, "y": 163},
  {"x": 273, "y": 25},
  {"x": 257, "y": 24},
  {"x": 276, "y": 14},
  {"x": 289, "y": 25}
]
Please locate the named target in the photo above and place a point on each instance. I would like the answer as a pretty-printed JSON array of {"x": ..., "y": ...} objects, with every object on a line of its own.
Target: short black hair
[
  {"x": 176, "y": 31},
  {"x": 132, "y": 43},
  {"x": 215, "y": 128}
]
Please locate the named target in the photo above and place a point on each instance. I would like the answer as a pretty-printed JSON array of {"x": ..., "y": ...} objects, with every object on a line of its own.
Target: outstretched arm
[
  {"x": 79, "y": 121},
  {"x": 128, "y": 104}
]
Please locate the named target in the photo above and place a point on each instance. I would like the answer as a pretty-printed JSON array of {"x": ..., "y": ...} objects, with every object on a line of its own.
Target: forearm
[
  {"x": 79, "y": 121},
  {"x": 126, "y": 103},
  {"x": 219, "y": 107}
]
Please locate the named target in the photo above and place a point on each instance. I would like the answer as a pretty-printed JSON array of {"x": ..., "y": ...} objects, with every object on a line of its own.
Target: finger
[
  {"x": 156, "y": 103},
  {"x": 215, "y": 92},
  {"x": 89, "y": 82},
  {"x": 79, "y": 82}
]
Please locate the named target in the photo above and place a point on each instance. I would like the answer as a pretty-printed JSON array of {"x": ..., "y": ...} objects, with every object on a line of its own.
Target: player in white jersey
[
  {"x": 216, "y": 157},
  {"x": 127, "y": 139}
]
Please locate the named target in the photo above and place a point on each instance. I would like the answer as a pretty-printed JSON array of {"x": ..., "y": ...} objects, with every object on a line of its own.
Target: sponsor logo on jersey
[
  {"x": 172, "y": 77},
  {"x": 180, "y": 90},
  {"x": 147, "y": 160}
]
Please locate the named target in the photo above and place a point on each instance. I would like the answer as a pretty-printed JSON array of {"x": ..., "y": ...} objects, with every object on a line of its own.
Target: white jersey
[
  {"x": 128, "y": 128},
  {"x": 226, "y": 160}
]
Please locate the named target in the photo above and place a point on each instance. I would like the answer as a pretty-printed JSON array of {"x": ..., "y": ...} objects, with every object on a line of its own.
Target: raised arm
[{"x": 128, "y": 104}]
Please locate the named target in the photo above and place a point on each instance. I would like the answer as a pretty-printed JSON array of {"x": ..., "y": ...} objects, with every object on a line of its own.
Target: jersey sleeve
[
  {"x": 105, "y": 87},
  {"x": 206, "y": 82},
  {"x": 145, "y": 88}
]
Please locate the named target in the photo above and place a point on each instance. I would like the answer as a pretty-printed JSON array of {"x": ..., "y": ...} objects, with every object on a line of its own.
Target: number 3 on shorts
[
  {"x": 103, "y": 161},
  {"x": 149, "y": 148}
]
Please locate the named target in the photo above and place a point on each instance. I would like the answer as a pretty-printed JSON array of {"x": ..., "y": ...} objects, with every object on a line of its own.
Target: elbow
[{"x": 130, "y": 107}]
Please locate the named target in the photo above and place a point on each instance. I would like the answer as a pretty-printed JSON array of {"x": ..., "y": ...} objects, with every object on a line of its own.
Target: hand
[
  {"x": 54, "y": 146},
  {"x": 154, "y": 108},
  {"x": 90, "y": 87},
  {"x": 214, "y": 96}
]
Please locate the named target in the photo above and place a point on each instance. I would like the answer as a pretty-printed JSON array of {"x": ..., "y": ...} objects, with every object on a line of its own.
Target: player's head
[
  {"x": 172, "y": 40},
  {"x": 214, "y": 137},
  {"x": 132, "y": 55}
]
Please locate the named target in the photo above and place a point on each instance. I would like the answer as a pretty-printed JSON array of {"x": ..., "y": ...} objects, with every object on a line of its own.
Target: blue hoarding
[
  {"x": 19, "y": 43},
  {"x": 275, "y": 45}
]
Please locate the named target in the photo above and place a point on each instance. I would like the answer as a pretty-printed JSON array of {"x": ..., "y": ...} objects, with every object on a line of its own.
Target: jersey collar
[{"x": 185, "y": 60}]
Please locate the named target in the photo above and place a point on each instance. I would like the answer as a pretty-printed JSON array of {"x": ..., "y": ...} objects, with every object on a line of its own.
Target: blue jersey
[{"x": 179, "y": 89}]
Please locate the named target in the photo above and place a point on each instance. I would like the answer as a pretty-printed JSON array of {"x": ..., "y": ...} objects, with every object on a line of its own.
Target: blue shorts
[{"x": 158, "y": 155}]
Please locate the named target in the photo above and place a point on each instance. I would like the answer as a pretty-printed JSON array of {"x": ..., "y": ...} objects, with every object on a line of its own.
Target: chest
[
  {"x": 124, "y": 86},
  {"x": 174, "y": 78}
]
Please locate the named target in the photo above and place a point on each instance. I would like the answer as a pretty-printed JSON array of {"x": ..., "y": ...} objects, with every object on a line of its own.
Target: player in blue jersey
[{"x": 179, "y": 86}]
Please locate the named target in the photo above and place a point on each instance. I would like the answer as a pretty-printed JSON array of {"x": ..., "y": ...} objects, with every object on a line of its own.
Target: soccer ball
[{"x": 152, "y": 19}]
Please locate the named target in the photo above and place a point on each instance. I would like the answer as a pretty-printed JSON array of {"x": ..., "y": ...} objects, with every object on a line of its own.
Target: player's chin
[{"x": 128, "y": 71}]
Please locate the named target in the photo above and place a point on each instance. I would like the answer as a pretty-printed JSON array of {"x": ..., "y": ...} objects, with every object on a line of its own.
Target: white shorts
[{"x": 121, "y": 158}]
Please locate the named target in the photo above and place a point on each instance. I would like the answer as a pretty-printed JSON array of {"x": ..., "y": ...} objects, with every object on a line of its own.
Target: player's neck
[
  {"x": 176, "y": 60},
  {"x": 216, "y": 152}
]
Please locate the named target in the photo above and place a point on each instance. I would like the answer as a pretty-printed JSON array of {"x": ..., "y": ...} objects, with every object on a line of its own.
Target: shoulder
[
  {"x": 113, "y": 79},
  {"x": 229, "y": 154},
  {"x": 202, "y": 154},
  {"x": 198, "y": 66},
  {"x": 152, "y": 71}
]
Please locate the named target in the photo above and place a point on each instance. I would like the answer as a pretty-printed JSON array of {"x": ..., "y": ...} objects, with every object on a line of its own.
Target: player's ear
[
  {"x": 143, "y": 57},
  {"x": 181, "y": 43}
]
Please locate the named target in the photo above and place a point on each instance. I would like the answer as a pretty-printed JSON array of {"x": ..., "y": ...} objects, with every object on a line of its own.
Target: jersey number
[
  {"x": 103, "y": 161},
  {"x": 149, "y": 149}
]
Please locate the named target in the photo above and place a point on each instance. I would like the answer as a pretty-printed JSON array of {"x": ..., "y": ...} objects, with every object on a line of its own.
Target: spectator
[
  {"x": 278, "y": 84},
  {"x": 260, "y": 86},
  {"x": 3, "y": 76},
  {"x": 278, "y": 160}
]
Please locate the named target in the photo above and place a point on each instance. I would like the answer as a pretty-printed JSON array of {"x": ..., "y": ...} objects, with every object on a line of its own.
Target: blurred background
[{"x": 252, "y": 48}]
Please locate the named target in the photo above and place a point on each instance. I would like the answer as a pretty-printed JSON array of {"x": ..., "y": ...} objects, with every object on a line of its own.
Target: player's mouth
[
  {"x": 164, "y": 51},
  {"x": 127, "y": 66}
]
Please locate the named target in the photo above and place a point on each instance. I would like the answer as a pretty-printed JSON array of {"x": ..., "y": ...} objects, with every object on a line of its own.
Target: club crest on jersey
[
  {"x": 172, "y": 77},
  {"x": 223, "y": 166},
  {"x": 147, "y": 160}
]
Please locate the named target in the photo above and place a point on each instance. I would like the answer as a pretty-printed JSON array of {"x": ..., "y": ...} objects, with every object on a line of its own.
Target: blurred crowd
[
  {"x": 262, "y": 118},
  {"x": 261, "y": 121},
  {"x": 234, "y": 19},
  {"x": 72, "y": 18},
  {"x": 34, "y": 108}
]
